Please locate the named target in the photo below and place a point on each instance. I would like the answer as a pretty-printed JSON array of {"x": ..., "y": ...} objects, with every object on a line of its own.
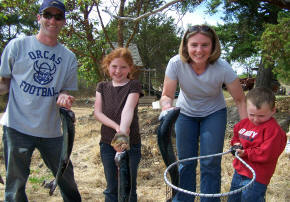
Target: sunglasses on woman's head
[
  {"x": 195, "y": 28},
  {"x": 48, "y": 15}
]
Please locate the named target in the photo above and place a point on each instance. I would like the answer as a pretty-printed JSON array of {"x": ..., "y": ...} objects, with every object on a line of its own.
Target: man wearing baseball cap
[
  {"x": 52, "y": 3},
  {"x": 38, "y": 72}
]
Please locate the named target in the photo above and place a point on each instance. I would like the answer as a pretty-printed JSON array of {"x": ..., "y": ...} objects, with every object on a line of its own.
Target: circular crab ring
[{"x": 209, "y": 195}]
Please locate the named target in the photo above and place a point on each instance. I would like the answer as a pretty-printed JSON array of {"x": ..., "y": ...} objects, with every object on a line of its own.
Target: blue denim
[
  {"x": 111, "y": 172},
  {"x": 18, "y": 149},
  {"x": 208, "y": 134},
  {"x": 254, "y": 193}
]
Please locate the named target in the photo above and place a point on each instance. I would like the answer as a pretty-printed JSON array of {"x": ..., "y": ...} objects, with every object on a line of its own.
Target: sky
[{"x": 199, "y": 16}]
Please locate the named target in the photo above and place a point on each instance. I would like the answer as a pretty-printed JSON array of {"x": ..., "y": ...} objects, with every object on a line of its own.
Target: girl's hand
[
  {"x": 117, "y": 129},
  {"x": 127, "y": 132},
  {"x": 120, "y": 147},
  {"x": 120, "y": 142}
]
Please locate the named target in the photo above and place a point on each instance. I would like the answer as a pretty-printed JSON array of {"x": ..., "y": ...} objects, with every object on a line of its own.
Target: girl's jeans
[
  {"x": 18, "y": 149},
  {"x": 208, "y": 132},
  {"x": 254, "y": 193},
  {"x": 111, "y": 172}
]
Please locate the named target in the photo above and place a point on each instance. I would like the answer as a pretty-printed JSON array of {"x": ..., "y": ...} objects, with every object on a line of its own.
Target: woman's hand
[
  {"x": 236, "y": 91},
  {"x": 168, "y": 93}
]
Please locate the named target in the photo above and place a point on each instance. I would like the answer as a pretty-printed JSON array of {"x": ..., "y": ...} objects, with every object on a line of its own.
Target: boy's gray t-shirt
[
  {"x": 38, "y": 74},
  {"x": 200, "y": 95}
]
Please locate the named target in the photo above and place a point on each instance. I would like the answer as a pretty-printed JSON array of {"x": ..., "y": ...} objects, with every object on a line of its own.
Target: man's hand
[{"x": 65, "y": 100}]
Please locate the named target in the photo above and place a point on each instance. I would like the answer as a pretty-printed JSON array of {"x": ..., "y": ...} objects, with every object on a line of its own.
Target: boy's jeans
[
  {"x": 208, "y": 132},
  {"x": 254, "y": 193},
  {"x": 18, "y": 149},
  {"x": 111, "y": 172}
]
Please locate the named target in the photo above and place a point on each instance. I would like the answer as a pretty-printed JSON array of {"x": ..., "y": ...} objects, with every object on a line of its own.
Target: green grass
[
  {"x": 36, "y": 177},
  {"x": 37, "y": 180}
]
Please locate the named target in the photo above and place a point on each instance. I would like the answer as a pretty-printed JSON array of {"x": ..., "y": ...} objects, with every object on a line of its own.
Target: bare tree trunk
[
  {"x": 264, "y": 77},
  {"x": 121, "y": 24}
]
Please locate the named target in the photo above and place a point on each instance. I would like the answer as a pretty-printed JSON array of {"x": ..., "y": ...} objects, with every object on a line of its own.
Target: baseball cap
[{"x": 52, "y": 3}]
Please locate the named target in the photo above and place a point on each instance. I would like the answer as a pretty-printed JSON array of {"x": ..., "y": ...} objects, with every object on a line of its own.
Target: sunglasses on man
[{"x": 48, "y": 16}]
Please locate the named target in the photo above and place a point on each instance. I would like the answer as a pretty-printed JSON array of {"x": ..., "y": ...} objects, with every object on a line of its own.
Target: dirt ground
[{"x": 151, "y": 185}]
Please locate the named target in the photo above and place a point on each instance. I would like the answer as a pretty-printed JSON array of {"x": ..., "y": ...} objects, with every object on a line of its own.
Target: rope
[{"x": 209, "y": 195}]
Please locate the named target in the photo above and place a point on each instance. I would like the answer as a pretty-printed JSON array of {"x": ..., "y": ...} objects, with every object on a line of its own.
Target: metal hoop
[{"x": 209, "y": 195}]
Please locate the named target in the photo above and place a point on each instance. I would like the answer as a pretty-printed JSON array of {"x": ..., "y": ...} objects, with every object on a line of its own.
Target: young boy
[{"x": 261, "y": 142}]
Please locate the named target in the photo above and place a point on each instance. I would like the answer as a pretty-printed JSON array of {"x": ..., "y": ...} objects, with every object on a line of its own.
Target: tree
[
  {"x": 162, "y": 41},
  {"x": 244, "y": 27},
  {"x": 81, "y": 36},
  {"x": 275, "y": 47},
  {"x": 15, "y": 20},
  {"x": 280, "y": 3},
  {"x": 139, "y": 10}
]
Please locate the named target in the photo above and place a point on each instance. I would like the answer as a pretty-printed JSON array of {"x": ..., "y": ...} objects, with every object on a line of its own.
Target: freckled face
[
  {"x": 199, "y": 48},
  {"x": 259, "y": 116},
  {"x": 119, "y": 70}
]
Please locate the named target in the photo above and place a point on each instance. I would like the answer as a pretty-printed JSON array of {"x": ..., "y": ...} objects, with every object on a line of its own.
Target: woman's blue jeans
[
  {"x": 254, "y": 193},
  {"x": 111, "y": 172},
  {"x": 207, "y": 134},
  {"x": 18, "y": 149}
]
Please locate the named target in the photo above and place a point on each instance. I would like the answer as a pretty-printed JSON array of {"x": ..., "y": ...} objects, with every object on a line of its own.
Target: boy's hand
[
  {"x": 238, "y": 148},
  {"x": 240, "y": 152}
]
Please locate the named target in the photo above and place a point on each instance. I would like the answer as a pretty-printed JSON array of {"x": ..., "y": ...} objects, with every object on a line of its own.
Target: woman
[{"x": 203, "y": 116}]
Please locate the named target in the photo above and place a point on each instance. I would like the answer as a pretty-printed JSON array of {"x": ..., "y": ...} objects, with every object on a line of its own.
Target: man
[{"x": 37, "y": 71}]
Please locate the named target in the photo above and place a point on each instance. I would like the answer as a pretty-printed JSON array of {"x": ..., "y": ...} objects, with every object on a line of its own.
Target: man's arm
[{"x": 4, "y": 85}]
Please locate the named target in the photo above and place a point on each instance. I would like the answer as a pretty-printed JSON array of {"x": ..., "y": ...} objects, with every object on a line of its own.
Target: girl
[{"x": 116, "y": 107}]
